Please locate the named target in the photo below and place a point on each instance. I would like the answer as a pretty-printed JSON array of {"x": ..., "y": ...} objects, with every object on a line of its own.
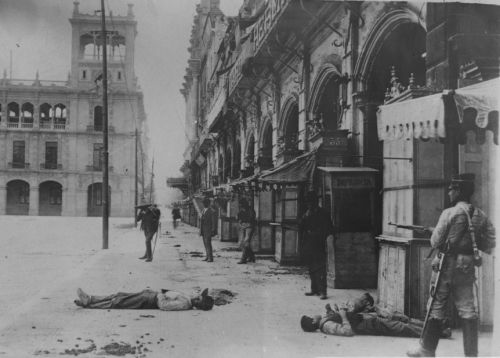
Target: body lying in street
[
  {"x": 362, "y": 317},
  {"x": 166, "y": 300}
]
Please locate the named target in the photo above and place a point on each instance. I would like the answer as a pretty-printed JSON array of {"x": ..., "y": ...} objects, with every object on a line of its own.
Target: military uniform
[{"x": 452, "y": 237}]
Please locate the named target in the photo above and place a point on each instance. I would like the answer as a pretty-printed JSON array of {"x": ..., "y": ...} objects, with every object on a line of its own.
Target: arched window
[
  {"x": 46, "y": 114},
  {"x": 60, "y": 116},
  {"x": 98, "y": 120},
  {"x": 13, "y": 112},
  {"x": 27, "y": 111}
]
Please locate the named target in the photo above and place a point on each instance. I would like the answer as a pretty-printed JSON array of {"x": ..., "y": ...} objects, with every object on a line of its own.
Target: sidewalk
[{"x": 262, "y": 320}]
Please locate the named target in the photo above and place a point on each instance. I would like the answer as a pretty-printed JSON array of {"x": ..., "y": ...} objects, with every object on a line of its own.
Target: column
[
  {"x": 34, "y": 201},
  {"x": 3, "y": 200}
]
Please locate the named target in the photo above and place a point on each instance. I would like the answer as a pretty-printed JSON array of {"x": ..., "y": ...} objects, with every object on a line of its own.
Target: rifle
[
  {"x": 432, "y": 293},
  {"x": 413, "y": 227}
]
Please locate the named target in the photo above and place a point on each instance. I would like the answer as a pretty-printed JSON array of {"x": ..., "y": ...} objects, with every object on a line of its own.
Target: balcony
[
  {"x": 50, "y": 166},
  {"x": 53, "y": 125},
  {"x": 18, "y": 165}
]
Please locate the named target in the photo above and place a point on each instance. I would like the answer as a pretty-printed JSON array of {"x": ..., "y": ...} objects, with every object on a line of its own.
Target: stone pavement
[{"x": 262, "y": 320}]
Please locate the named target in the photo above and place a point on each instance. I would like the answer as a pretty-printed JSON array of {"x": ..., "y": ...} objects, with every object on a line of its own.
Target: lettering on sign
[
  {"x": 353, "y": 182},
  {"x": 337, "y": 141},
  {"x": 267, "y": 19}
]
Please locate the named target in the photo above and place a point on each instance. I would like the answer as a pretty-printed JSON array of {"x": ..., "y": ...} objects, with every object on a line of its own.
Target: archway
[
  {"x": 236, "y": 165},
  {"x": 250, "y": 155},
  {"x": 400, "y": 44},
  {"x": 95, "y": 199},
  {"x": 50, "y": 199},
  {"x": 18, "y": 197},
  {"x": 289, "y": 142},
  {"x": 266, "y": 147},
  {"x": 324, "y": 106}
]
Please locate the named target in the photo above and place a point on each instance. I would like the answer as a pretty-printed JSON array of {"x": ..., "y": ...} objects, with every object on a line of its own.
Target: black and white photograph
[{"x": 249, "y": 178}]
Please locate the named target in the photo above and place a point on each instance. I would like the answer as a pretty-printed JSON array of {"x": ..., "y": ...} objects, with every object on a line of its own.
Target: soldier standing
[
  {"x": 315, "y": 227},
  {"x": 461, "y": 230},
  {"x": 149, "y": 216}
]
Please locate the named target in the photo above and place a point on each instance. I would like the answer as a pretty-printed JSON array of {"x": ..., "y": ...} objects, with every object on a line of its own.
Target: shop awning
[
  {"x": 420, "y": 118},
  {"x": 298, "y": 170},
  {"x": 482, "y": 99},
  {"x": 477, "y": 107}
]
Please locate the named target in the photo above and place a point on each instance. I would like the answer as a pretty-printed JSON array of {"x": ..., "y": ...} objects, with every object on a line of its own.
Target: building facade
[
  {"x": 51, "y": 133},
  {"x": 285, "y": 98}
]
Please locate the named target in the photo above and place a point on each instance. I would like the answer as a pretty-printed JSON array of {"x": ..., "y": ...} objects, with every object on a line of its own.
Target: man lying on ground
[
  {"x": 165, "y": 300},
  {"x": 366, "y": 304},
  {"x": 341, "y": 322}
]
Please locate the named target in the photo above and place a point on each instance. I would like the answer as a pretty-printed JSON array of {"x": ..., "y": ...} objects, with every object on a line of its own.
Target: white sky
[{"x": 39, "y": 35}]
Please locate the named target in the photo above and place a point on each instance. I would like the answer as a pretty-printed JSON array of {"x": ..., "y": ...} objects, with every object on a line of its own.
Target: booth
[
  {"x": 426, "y": 141},
  {"x": 348, "y": 193}
]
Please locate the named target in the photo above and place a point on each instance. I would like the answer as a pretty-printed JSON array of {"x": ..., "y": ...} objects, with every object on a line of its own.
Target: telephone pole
[{"x": 105, "y": 175}]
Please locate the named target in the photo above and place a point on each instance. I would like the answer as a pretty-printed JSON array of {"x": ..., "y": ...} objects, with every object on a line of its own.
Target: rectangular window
[
  {"x": 18, "y": 154},
  {"x": 51, "y": 155},
  {"x": 98, "y": 156}
]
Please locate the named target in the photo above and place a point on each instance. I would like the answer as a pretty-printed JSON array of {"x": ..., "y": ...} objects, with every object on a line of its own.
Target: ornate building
[
  {"x": 284, "y": 98},
  {"x": 51, "y": 133}
]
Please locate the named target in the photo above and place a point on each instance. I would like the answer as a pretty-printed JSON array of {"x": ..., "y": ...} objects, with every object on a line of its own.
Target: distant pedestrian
[
  {"x": 461, "y": 231},
  {"x": 176, "y": 215},
  {"x": 165, "y": 300},
  {"x": 246, "y": 219},
  {"x": 315, "y": 227},
  {"x": 208, "y": 228},
  {"x": 149, "y": 216}
]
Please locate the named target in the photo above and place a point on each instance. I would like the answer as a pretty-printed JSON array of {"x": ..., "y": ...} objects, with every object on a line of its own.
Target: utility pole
[
  {"x": 151, "y": 184},
  {"x": 136, "y": 174},
  {"x": 105, "y": 175}
]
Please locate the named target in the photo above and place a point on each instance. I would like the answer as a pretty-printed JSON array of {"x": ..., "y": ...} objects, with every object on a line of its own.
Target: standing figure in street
[
  {"x": 149, "y": 216},
  {"x": 166, "y": 300},
  {"x": 246, "y": 219},
  {"x": 461, "y": 230},
  {"x": 315, "y": 228},
  {"x": 208, "y": 228},
  {"x": 176, "y": 215}
]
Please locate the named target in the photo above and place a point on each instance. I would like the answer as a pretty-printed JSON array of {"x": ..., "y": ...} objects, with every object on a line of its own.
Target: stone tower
[{"x": 87, "y": 48}]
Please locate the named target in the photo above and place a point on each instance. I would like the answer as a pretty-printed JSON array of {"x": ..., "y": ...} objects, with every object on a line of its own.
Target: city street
[{"x": 45, "y": 259}]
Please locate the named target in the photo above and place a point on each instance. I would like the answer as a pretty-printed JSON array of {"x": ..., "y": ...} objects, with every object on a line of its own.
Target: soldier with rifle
[
  {"x": 462, "y": 230},
  {"x": 149, "y": 216}
]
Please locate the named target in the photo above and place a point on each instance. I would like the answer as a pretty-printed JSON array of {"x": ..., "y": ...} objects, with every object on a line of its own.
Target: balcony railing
[
  {"x": 18, "y": 165},
  {"x": 50, "y": 166},
  {"x": 12, "y": 124}
]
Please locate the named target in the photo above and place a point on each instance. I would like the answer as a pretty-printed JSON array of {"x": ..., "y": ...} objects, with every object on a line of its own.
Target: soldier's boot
[
  {"x": 469, "y": 329},
  {"x": 429, "y": 341},
  {"x": 145, "y": 256}
]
